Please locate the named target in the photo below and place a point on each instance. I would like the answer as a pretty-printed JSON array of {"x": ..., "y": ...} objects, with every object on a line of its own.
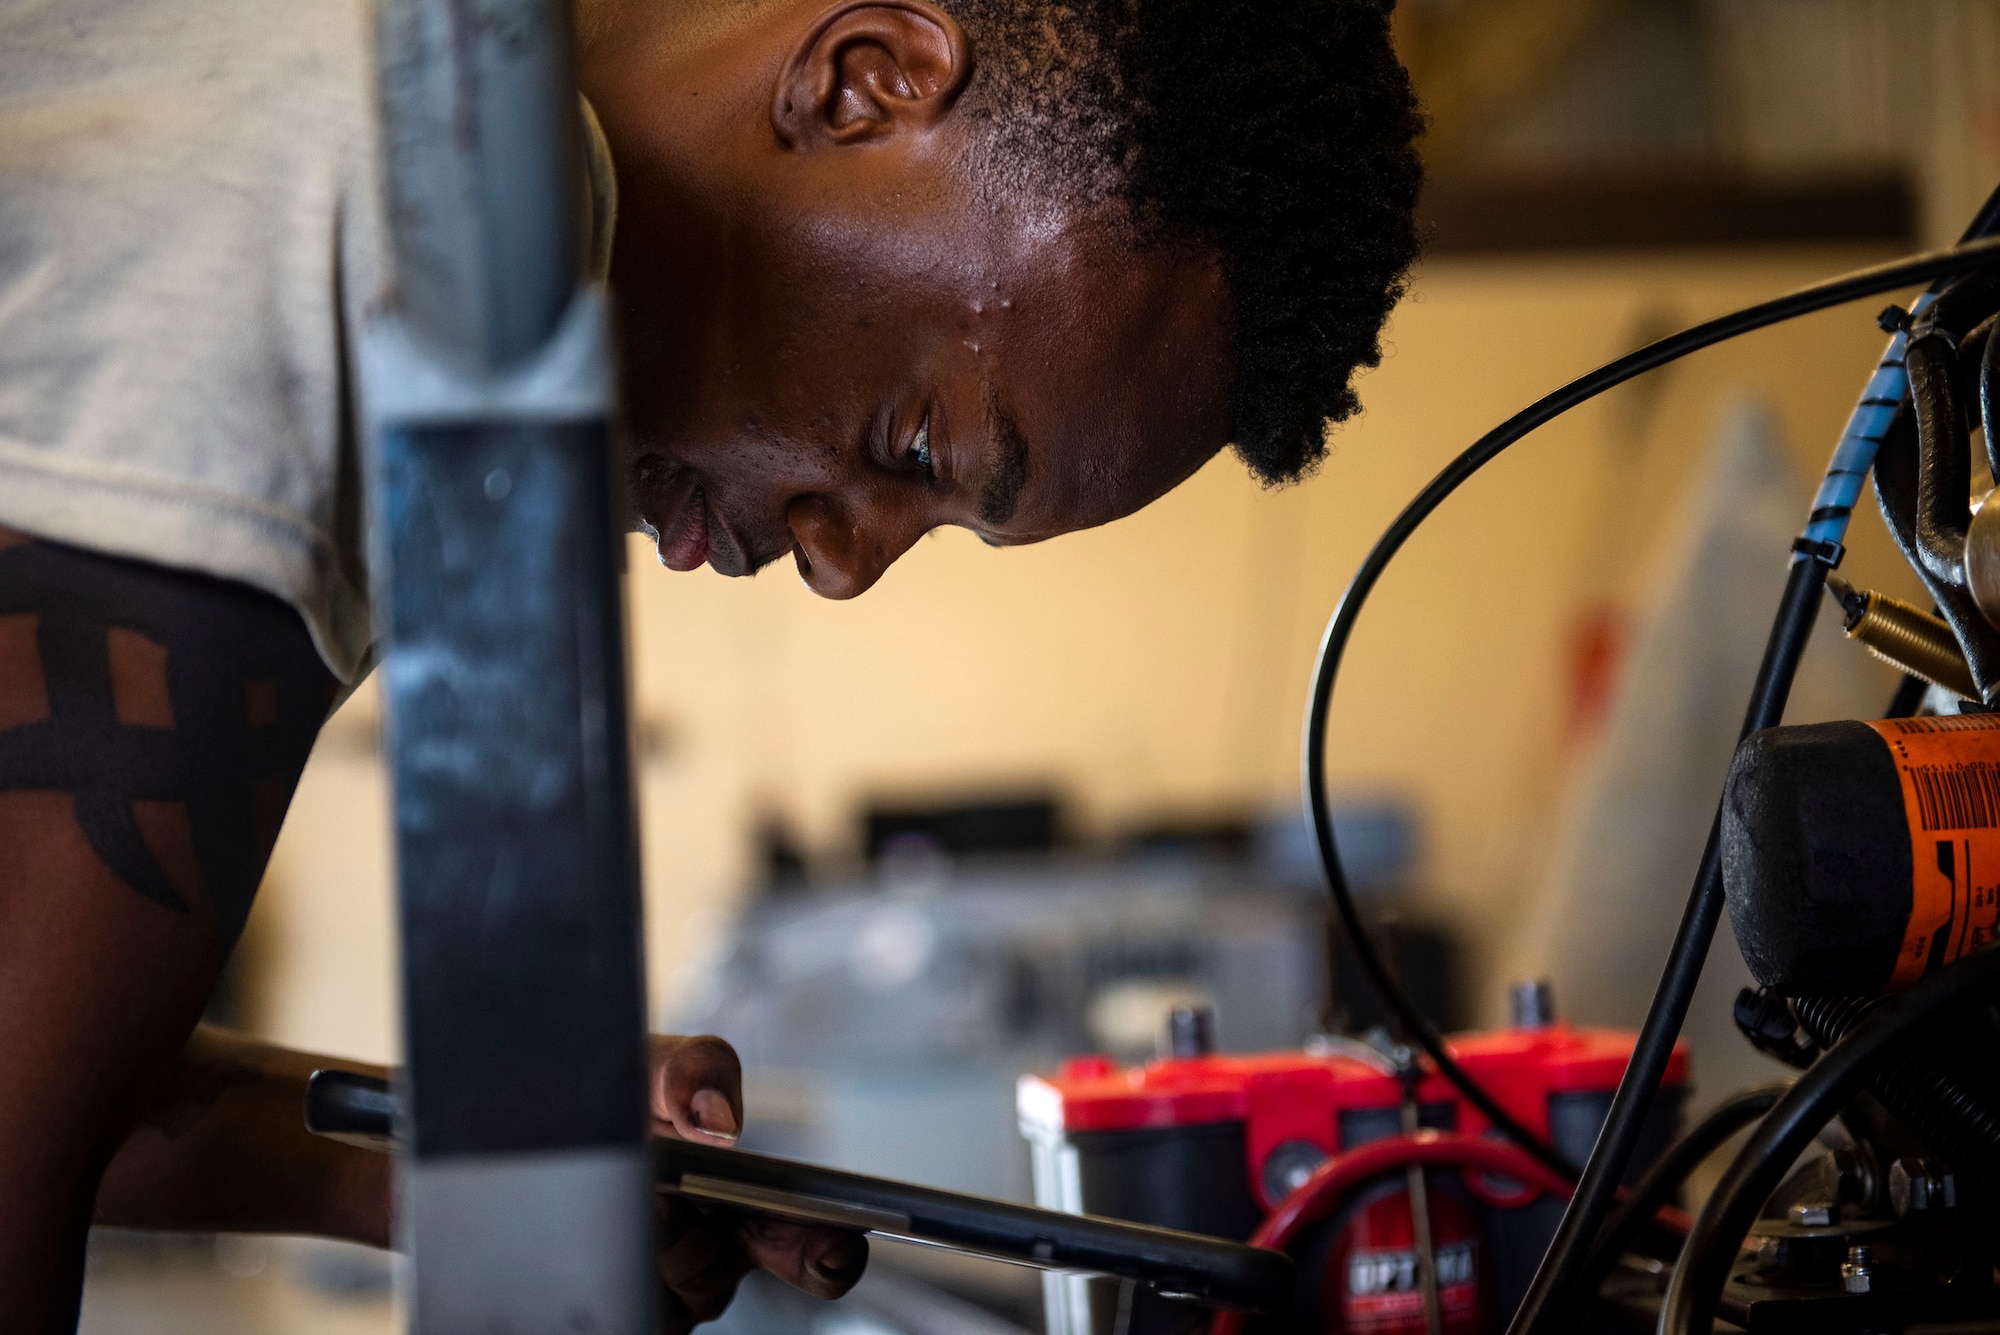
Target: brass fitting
[{"x": 1905, "y": 636}]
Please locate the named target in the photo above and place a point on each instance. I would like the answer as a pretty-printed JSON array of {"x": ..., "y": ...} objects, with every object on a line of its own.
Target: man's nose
[{"x": 843, "y": 547}]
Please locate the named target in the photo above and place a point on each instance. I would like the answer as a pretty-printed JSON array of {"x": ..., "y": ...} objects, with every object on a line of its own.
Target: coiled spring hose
[{"x": 1958, "y": 1123}]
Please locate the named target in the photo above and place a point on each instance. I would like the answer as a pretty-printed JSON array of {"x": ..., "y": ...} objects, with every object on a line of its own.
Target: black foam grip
[{"x": 1816, "y": 862}]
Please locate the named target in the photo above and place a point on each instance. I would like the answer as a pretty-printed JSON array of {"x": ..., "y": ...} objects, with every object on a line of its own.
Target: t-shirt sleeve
[{"x": 187, "y": 228}]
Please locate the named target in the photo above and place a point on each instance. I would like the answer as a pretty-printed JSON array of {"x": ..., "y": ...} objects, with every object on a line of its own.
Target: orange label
[{"x": 1950, "y": 767}]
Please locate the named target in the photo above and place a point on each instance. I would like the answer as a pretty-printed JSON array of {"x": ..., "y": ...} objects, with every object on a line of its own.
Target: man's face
[{"x": 860, "y": 342}]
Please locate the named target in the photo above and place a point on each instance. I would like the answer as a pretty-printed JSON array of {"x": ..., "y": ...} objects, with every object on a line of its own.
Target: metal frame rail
[{"x": 488, "y": 391}]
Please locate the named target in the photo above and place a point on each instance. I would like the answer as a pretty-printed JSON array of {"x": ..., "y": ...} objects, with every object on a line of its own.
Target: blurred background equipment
[
  {"x": 1565, "y": 123},
  {"x": 883, "y": 1018}
]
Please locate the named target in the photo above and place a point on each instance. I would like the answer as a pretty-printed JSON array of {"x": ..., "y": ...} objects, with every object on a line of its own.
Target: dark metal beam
[{"x": 487, "y": 384}]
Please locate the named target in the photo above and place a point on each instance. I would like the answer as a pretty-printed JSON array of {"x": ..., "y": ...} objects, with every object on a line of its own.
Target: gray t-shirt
[{"x": 189, "y": 236}]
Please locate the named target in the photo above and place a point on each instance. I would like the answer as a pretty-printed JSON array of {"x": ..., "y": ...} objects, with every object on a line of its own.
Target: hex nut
[
  {"x": 1857, "y": 1273},
  {"x": 1920, "y": 1184}
]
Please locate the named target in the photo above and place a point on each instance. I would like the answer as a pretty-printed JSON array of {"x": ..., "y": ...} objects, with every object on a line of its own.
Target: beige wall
[{"x": 1162, "y": 662}]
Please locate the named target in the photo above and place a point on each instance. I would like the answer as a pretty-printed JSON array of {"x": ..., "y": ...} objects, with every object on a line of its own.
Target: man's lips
[
  {"x": 685, "y": 521},
  {"x": 684, "y": 545}
]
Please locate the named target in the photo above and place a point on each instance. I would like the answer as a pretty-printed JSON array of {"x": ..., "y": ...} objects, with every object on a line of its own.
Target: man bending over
[{"x": 1019, "y": 266}]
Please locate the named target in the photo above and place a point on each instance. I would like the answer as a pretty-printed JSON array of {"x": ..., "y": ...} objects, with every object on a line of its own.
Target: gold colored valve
[{"x": 1905, "y": 636}]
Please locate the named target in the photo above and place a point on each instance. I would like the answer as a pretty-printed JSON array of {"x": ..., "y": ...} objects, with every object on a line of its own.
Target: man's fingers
[
  {"x": 697, "y": 1093},
  {"x": 824, "y": 1262},
  {"x": 697, "y": 1088},
  {"x": 700, "y": 1259},
  {"x": 836, "y": 1268},
  {"x": 713, "y": 1114}
]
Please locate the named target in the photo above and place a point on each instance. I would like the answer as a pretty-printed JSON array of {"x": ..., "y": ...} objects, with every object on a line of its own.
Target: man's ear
[{"x": 869, "y": 68}]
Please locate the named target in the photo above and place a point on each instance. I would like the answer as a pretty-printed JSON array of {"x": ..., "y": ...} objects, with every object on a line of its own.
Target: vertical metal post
[{"x": 487, "y": 387}]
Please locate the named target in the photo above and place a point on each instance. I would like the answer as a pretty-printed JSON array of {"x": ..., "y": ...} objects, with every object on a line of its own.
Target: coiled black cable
[
  {"x": 1696, "y": 1288},
  {"x": 1803, "y": 588},
  {"x": 1958, "y": 1123}
]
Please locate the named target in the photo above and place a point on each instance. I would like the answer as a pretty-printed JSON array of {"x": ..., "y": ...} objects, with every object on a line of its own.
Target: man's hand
[{"x": 697, "y": 1094}]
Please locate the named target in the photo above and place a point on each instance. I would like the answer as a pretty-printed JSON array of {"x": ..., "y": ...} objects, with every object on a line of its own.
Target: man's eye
[{"x": 920, "y": 447}]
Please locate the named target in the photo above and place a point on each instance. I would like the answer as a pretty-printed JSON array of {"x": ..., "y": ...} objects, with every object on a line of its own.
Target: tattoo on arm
[{"x": 160, "y": 701}]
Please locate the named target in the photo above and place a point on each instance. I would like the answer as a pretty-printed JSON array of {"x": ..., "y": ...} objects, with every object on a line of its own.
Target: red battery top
[{"x": 1301, "y": 1093}]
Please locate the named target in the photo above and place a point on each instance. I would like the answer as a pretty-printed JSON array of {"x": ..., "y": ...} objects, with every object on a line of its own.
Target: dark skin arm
[
  {"x": 153, "y": 725},
  {"x": 221, "y": 1147}
]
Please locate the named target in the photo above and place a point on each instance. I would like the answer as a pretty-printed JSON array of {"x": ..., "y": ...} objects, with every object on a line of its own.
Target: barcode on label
[
  {"x": 1945, "y": 723},
  {"x": 1958, "y": 797}
]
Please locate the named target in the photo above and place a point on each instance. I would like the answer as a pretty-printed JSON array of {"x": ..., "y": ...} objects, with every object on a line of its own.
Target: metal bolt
[
  {"x": 1909, "y": 1185},
  {"x": 1532, "y": 1004},
  {"x": 1814, "y": 1214},
  {"x": 1920, "y": 1184},
  {"x": 1847, "y": 1177},
  {"x": 1190, "y": 1032},
  {"x": 1857, "y": 1274}
]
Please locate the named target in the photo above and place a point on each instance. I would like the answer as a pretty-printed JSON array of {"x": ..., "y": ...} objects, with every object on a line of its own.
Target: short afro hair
[{"x": 1278, "y": 134}]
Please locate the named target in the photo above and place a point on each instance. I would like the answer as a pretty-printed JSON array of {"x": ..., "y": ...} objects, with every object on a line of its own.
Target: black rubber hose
[
  {"x": 1971, "y": 372},
  {"x": 1961, "y": 307},
  {"x": 1711, "y": 1248},
  {"x": 1802, "y": 595},
  {"x": 1989, "y": 417},
  {"x": 1896, "y": 494},
  {"x": 1956, "y": 1122},
  {"x": 1944, "y": 452},
  {"x": 1972, "y": 348},
  {"x": 1667, "y": 1176}
]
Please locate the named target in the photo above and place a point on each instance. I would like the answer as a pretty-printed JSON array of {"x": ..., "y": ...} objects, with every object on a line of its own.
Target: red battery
[{"x": 1212, "y": 1143}]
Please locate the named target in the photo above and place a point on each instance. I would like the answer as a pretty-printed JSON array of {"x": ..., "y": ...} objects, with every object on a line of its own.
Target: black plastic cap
[
  {"x": 1816, "y": 858},
  {"x": 1190, "y": 1032}
]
